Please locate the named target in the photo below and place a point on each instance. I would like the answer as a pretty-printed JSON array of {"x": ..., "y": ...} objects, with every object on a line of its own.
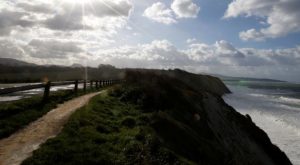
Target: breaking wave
[{"x": 276, "y": 113}]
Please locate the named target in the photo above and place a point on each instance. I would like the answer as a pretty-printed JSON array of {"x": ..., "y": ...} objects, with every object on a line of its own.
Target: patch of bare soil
[{"x": 20, "y": 145}]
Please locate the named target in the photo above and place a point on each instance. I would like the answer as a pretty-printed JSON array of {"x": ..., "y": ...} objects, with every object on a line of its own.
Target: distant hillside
[
  {"x": 76, "y": 65},
  {"x": 14, "y": 62},
  {"x": 229, "y": 78},
  {"x": 25, "y": 72}
]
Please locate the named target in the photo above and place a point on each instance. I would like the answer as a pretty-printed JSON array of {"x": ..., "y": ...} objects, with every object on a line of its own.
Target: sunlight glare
[{"x": 77, "y": 1}]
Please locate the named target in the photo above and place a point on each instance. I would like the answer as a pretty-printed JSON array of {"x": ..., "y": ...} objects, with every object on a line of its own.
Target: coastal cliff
[
  {"x": 161, "y": 117},
  {"x": 193, "y": 120}
]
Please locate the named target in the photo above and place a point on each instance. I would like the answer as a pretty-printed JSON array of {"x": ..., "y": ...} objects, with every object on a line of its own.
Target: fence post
[
  {"x": 47, "y": 91},
  {"x": 97, "y": 84},
  {"x": 91, "y": 84},
  {"x": 84, "y": 85},
  {"x": 76, "y": 86}
]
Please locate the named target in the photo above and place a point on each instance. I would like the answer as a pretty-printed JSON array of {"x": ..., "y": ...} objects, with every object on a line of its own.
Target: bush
[{"x": 129, "y": 122}]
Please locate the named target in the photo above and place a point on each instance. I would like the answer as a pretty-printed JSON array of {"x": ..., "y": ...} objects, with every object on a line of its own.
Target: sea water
[
  {"x": 29, "y": 93},
  {"x": 273, "y": 106}
]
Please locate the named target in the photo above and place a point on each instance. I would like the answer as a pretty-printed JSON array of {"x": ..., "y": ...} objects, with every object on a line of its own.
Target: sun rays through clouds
[{"x": 227, "y": 37}]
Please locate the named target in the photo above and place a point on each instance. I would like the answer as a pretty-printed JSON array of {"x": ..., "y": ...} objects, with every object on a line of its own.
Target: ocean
[
  {"x": 29, "y": 93},
  {"x": 274, "y": 106}
]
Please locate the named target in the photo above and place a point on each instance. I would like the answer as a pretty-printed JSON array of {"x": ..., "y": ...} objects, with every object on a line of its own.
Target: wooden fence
[{"x": 92, "y": 84}]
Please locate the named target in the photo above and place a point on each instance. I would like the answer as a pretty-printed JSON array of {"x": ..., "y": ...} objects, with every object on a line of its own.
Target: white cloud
[
  {"x": 160, "y": 13},
  {"x": 58, "y": 52},
  {"x": 115, "y": 8},
  {"x": 72, "y": 17},
  {"x": 35, "y": 6},
  {"x": 252, "y": 34},
  {"x": 185, "y": 8},
  {"x": 10, "y": 20},
  {"x": 221, "y": 57},
  {"x": 100, "y": 16},
  {"x": 59, "y": 31},
  {"x": 157, "y": 54},
  {"x": 53, "y": 49},
  {"x": 249, "y": 8},
  {"x": 191, "y": 40},
  {"x": 224, "y": 53},
  {"x": 282, "y": 17},
  {"x": 220, "y": 53},
  {"x": 160, "y": 53},
  {"x": 10, "y": 49}
]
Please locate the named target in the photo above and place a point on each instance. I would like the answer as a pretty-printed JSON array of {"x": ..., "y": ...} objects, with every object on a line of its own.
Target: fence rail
[
  {"x": 92, "y": 84},
  {"x": 21, "y": 88}
]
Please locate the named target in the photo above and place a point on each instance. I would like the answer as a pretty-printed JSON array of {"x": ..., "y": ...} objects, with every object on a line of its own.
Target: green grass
[
  {"x": 17, "y": 114},
  {"x": 152, "y": 119},
  {"x": 106, "y": 131}
]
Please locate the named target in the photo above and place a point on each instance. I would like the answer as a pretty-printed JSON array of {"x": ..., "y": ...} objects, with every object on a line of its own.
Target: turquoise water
[{"x": 274, "y": 106}]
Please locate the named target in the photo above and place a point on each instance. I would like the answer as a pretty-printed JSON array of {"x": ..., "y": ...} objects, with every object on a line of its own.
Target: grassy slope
[
  {"x": 17, "y": 114},
  {"x": 159, "y": 119},
  {"x": 106, "y": 131},
  {"x": 144, "y": 121}
]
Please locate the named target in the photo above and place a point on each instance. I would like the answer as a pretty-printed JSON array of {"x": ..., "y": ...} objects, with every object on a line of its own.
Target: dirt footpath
[{"x": 20, "y": 145}]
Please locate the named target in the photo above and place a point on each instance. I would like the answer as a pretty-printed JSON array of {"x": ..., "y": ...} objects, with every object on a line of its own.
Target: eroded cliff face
[
  {"x": 239, "y": 136},
  {"x": 191, "y": 119}
]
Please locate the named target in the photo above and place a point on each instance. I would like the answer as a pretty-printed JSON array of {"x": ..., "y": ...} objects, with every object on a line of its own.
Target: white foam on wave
[
  {"x": 290, "y": 100},
  {"x": 281, "y": 133},
  {"x": 280, "y": 121},
  {"x": 9, "y": 98},
  {"x": 61, "y": 88},
  {"x": 277, "y": 98}
]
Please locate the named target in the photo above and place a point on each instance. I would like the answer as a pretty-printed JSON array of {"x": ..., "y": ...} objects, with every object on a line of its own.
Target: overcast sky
[{"x": 249, "y": 38}]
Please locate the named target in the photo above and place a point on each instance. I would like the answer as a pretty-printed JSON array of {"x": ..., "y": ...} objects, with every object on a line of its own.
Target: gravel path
[{"x": 20, "y": 145}]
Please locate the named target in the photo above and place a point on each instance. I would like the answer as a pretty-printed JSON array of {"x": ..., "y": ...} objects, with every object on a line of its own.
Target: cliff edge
[
  {"x": 191, "y": 118},
  {"x": 160, "y": 117}
]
